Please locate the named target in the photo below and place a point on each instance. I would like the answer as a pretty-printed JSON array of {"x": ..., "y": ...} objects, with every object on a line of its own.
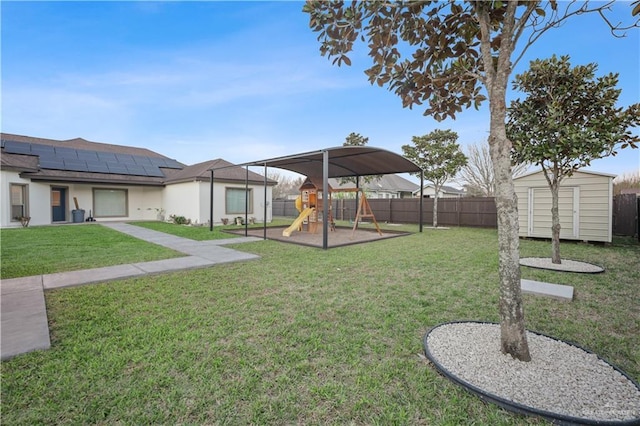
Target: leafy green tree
[
  {"x": 445, "y": 54},
  {"x": 440, "y": 158},
  {"x": 567, "y": 119},
  {"x": 356, "y": 139}
]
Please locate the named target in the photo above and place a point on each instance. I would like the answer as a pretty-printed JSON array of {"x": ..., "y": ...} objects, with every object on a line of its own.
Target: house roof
[
  {"x": 18, "y": 162},
  {"x": 391, "y": 183},
  {"x": 79, "y": 160},
  {"x": 228, "y": 172},
  {"x": 79, "y": 155},
  {"x": 79, "y": 143},
  {"x": 343, "y": 161}
]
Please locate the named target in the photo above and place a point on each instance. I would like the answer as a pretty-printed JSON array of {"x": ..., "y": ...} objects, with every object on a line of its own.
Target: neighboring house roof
[
  {"x": 227, "y": 172},
  {"x": 389, "y": 183},
  {"x": 79, "y": 160},
  {"x": 444, "y": 188}
]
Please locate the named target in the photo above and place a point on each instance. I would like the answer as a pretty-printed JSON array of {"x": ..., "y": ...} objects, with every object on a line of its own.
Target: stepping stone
[{"x": 558, "y": 291}]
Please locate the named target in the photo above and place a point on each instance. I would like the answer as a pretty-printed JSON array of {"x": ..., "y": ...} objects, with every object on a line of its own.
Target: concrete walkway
[{"x": 23, "y": 314}]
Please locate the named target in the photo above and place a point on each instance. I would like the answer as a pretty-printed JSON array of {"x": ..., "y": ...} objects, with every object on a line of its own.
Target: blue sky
[{"x": 242, "y": 81}]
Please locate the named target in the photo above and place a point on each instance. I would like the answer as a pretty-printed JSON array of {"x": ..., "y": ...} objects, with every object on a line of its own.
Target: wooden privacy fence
[
  {"x": 626, "y": 210},
  {"x": 480, "y": 212},
  {"x": 468, "y": 211}
]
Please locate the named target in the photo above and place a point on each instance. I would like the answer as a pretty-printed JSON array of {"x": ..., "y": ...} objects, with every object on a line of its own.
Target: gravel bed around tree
[
  {"x": 565, "y": 266},
  {"x": 561, "y": 379}
]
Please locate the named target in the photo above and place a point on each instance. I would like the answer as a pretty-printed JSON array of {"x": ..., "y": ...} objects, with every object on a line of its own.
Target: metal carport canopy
[
  {"x": 341, "y": 161},
  {"x": 344, "y": 161}
]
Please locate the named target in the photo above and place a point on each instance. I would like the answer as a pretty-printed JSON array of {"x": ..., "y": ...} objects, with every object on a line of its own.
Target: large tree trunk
[
  {"x": 555, "y": 225},
  {"x": 512, "y": 330},
  {"x": 513, "y": 335}
]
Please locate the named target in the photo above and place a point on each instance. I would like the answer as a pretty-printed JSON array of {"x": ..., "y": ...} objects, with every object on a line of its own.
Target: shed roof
[
  {"x": 589, "y": 172},
  {"x": 344, "y": 161}
]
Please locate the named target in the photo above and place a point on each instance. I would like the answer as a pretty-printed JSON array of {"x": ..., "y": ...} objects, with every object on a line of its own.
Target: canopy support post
[{"x": 325, "y": 200}]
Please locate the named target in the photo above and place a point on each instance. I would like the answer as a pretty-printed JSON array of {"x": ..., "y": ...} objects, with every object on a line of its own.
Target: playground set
[{"x": 309, "y": 205}]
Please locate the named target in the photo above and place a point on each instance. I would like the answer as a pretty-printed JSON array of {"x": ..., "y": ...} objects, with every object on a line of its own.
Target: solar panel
[
  {"x": 83, "y": 160},
  {"x": 87, "y": 155},
  {"x": 76, "y": 165},
  {"x": 136, "y": 170},
  {"x": 165, "y": 162},
  {"x": 153, "y": 171},
  {"x": 117, "y": 168},
  {"x": 42, "y": 150},
  {"x": 63, "y": 152},
  {"x": 96, "y": 167},
  {"x": 157, "y": 161},
  {"x": 107, "y": 156},
  {"x": 125, "y": 159},
  {"x": 13, "y": 147},
  {"x": 142, "y": 161},
  {"x": 52, "y": 163}
]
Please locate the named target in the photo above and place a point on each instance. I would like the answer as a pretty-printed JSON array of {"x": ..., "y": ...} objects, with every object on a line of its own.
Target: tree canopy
[
  {"x": 356, "y": 139},
  {"x": 568, "y": 117},
  {"x": 439, "y": 156}
]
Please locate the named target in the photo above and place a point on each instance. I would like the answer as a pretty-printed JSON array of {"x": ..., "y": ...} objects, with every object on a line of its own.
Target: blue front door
[{"x": 59, "y": 204}]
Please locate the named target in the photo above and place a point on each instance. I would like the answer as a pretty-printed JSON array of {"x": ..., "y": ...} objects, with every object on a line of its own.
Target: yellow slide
[{"x": 296, "y": 223}]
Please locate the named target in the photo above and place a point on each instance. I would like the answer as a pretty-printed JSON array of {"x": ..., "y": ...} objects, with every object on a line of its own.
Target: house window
[
  {"x": 19, "y": 206},
  {"x": 235, "y": 200},
  {"x": 109, "y": 202}
]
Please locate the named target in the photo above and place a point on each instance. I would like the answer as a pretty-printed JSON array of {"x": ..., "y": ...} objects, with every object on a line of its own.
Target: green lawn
[
  {"x": 198, "y": 233},
  {"x": 305, "y": 336},
  {"x": 202, "y": 233},
  {"x": 47, "y": 249}
]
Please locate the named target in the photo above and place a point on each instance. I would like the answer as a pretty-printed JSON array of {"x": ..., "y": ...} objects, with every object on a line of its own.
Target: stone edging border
[
  {"x": 520, "y": 408},
  {"x": 601, "y": 270}
]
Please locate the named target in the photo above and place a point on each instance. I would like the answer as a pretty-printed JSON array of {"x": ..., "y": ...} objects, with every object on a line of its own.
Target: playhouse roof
[{"x": 343, "y": 161}]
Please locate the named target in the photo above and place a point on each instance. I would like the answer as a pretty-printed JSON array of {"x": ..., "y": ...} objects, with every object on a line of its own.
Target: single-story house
[
  {"x": 585, "y": 203},
  {"x": 43, "y": 179},
  {"x": 445, "y": 192},
  {"x": 385, "y": 186}
]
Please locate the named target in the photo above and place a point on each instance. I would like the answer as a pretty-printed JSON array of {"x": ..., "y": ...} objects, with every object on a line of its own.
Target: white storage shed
[{"x": 585, "y": 203}]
